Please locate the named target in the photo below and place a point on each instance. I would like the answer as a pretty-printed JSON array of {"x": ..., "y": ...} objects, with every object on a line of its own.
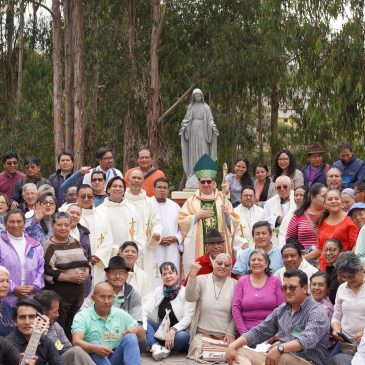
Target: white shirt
[{"x": 19, "y": 243}]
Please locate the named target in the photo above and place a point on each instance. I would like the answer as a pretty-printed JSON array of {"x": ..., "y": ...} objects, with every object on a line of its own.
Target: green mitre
[{"x": 205, "y": 167}]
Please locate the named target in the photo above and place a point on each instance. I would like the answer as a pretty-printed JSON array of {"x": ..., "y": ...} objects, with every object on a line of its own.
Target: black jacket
[
  {"x": 8, "y": 354},
  {"x": 46, "y": 352}
]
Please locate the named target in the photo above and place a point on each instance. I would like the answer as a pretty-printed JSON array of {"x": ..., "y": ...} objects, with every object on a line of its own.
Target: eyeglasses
[
  {"x": 162, "y": 187},
  {"x": 107, "y": 158},
  {"x": 3, "y": 202},
  {"x": 221, "y": 263},
  {"x": 86, "y": 197},
  {"x": 330, "y": 250},
  {"x": 12, "y": 163},
  {"x": 118, "y": 274},
  {"x": 48, "y": 203},
  {"x": 71, "y": 194},
  {"x": 247, "y": 196},
  {"x": 291, "y": 288},
  {"x": 97, "y": 179},
  {"x": 207, "y": 182},
  {"x": 285, "y": 187}
]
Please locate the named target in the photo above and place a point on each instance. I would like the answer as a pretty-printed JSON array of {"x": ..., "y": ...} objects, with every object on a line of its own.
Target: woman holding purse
[{"x": 168, "y": 315}]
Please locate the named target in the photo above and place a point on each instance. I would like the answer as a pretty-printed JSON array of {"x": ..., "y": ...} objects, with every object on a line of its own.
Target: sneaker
[{"x": 159, "y": 352}]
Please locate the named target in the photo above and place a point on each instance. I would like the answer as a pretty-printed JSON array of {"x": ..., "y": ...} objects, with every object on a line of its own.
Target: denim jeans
[
  {"x": 181, "y": 343},
  {"x": 127, "y": 353}
]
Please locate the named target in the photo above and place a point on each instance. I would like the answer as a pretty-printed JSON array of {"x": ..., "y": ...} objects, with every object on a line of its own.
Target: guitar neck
[{"x": 32, "y": 346}]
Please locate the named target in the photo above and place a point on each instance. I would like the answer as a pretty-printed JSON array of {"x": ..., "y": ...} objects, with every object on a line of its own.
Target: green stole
[{"x": 212, "y": 222}]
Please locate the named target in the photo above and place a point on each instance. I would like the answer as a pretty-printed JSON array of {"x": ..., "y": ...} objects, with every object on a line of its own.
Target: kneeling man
[
  {"x": 107, "y": 333},
  {"x": 301, "y": 324}
]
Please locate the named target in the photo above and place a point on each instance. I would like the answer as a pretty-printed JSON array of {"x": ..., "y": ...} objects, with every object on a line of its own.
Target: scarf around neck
[{"x": 172, "y": 292}]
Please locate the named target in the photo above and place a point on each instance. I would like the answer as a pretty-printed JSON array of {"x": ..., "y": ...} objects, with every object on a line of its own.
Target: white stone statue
[{"x": 198, "y": 136}]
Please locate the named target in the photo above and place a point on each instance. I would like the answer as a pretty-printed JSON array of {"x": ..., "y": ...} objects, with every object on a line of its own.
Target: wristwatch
[{"x": 281, "y": 349}]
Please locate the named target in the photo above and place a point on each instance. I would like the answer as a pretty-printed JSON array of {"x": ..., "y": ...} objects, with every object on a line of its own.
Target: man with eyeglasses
[
  {"x": 207, "y": 209},
  {"x": 101, "y": 242},
  {"x": 150, "y": 173},
  {"x": 125, "y": 296},
  {"x": 10, "y": 175},
  {"x": 105, "y": 158},
  {"x": 98, "y": 183},
  {"x": 281, "y": 204},
  {"x": 249, "y": 213},
  {"x": 301, "y": 325},
  {"x": 171, "y": 242}
]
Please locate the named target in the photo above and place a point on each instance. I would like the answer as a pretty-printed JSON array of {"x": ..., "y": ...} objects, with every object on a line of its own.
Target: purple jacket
[{"x": 34, "y": 265}]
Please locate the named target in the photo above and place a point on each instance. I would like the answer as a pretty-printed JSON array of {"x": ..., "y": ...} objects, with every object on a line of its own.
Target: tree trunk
[
  {"x": 21, "y": 53},
  {"x": 260, "y": 124},
  {"x": 274, "y": 123},
  {"x": 34, "y": 26},
  {"x": 130, "y": 127},
  {"x": 57, "y": 78},
  {"x": 79, "y": 140},
  {"x": 154, "y": 130},
  {"x": 8, "y": 89},
  {"x": 69, "y": 74}
]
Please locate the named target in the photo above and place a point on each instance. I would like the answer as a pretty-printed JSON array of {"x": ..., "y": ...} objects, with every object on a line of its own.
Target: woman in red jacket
[{"x": 334, "y": 223}]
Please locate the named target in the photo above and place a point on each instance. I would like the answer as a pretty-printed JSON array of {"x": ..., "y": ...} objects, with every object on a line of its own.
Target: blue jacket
[
  {"x": 320, "y": 176},
  {"x": 351, "y": 172}
]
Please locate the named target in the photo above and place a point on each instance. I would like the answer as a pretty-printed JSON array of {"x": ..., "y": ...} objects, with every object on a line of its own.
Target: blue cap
[{"x": 354, "y": 207}]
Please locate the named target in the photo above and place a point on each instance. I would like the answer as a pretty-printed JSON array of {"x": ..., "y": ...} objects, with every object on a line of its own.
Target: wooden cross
[
  {"x": 132, "y": 231},
  {"x": 101, "y": 239}
]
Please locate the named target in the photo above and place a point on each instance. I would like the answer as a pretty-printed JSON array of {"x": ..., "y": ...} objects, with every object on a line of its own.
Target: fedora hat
[
  {"x": 117, "y": 262},
  {"x": 213, "y": 236},
  {"x": 314, "y": 147}
]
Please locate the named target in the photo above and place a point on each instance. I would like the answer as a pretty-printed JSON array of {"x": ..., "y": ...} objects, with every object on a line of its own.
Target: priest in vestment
[
  {"x": 141, "y": 224},
  {"x": 101, "y": 242},
  {"x": 171, "y": 243},
  {"x": 203, "y": 212}
]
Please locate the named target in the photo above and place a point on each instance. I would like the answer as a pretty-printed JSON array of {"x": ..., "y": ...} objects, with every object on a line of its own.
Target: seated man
[
  {"x": 125, "y": 296},
  {"x": 334, "y": 178},
  {"x": 214, "y": 243},
  {"x": 107, "y": 333},
  {"x": 262, "y": 235},
  {"x": 50, "y": 302},
  {"x": 301, "y": 325},
  {"x": 23, "y": 316}
]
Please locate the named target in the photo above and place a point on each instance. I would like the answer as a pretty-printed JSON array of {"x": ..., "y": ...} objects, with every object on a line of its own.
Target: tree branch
[{"x": 43, "y": 6}]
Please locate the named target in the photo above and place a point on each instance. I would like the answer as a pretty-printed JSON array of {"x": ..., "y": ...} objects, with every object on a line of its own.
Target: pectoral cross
[
  {"x": 101, "y": 239},
  {"x": 157, "y": 268},
  {"x": 132, "y": 231}
]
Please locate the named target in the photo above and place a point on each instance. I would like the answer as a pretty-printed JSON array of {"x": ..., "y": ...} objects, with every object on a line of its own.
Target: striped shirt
[
  {"x": 300, "y": 229},
  {"x": 309, "y": 326},
  {"x": 63, "y": 257}
]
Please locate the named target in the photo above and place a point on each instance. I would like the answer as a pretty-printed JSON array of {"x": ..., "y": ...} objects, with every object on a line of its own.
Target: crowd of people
[{"x": 267, "y": 269}]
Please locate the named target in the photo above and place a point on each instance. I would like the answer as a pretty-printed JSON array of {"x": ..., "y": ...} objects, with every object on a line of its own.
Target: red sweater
[
  {"x": 207, "y": 266},
  {"x": 345, "y": 231}
]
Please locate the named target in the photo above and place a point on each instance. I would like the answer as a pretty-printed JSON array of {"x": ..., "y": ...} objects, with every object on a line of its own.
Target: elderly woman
[
  {"x": 39, "y": 226},
  {"x": 66, "y": 269},
  {"x": 331, "y": 252},
  {"x": 6, "y": 320},
  {"x": 29, "y": 195},
  {"x": 213, "y": 294},
  {"x": 4, "y": 207},
  {"x": 81, "y": 235},
  {"x": 285, "y": 164},
  {"x": 22, "y": 256},
  {"x": 334, "y": 223},
  {"x": 264, "y": 187},
  {"x": 302, "y": 225},
  {"x": 256, "y": 295},
  {"x": 349, "y": 315},
  {"x": 170, "y": 297},
  {"x": 348, "y": 199},
  {"x": 293, "y": 259},
  {"x": 241, "y": 177},
  {"x": 138, "y": 278}
]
